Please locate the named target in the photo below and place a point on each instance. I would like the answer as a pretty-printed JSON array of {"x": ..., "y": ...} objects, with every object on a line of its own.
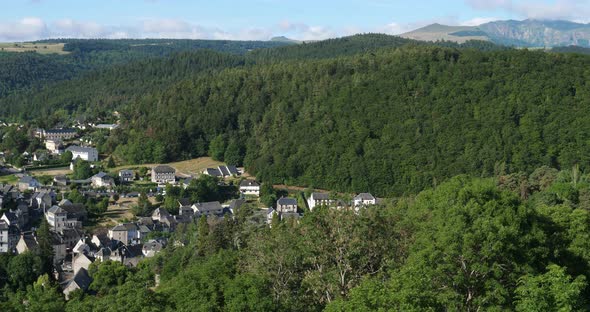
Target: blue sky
[{"x": 259, "y": 19}]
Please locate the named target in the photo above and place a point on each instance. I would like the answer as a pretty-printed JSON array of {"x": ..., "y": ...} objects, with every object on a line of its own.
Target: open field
[
  {"x": 8, "y": 179},
  {"x": 51, "y": 172},
  {"x": 41, "y": 48},
  {"x": 120, "y": 211},
  {"x": 186, "y": 167}
]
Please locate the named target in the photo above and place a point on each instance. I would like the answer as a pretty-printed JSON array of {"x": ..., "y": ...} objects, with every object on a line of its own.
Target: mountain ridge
[{"x": 526, "y": 33}]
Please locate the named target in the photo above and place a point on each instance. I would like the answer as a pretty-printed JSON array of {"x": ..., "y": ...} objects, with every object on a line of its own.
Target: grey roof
[
  {"x": 164, "y": 169},
  {"x": 236, "y": 203},
  {"x": 119, "y": 227},
  {"x": 80, "y": 149},
  {"x": 153, "y": 245},
  {"x": 320, "y": 196},
  {"x": 232, "y": 170},
  {"x": 160, "y": 212},
  {"x": 56, "y": 131},
  {"x": 28, "y": 180},
  {"x": 64, "y": 201},
  {"x": 100, "y": 175},
  {"x": 213, "y": 172},
  {"x": 74, "y": 208},
  {"x": 270, "y": 210},
  {"x": 56, "y": 209},
  {"x": 126, "y": 172},
  {"x": 224, "y": 171},
  {"x": 287, "y": 201},
  {"x": 364, "y": 196},
  {"x": 249, "y": 183},
  {"x": 11, "y": 216},
  {"x": 210, "y": 206},
  {"x": 184, "y": 202}
]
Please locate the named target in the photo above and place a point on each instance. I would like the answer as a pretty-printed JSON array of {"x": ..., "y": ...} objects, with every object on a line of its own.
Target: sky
[{"x": 24, "y": 20}]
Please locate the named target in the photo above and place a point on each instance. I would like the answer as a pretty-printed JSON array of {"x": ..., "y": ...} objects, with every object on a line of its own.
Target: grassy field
[
  {"x": 8, "y": 179},
  {"x": 186, "y": 167},
  {"x": 51, "y": 172},
  {"x": 41, "y": 48}
]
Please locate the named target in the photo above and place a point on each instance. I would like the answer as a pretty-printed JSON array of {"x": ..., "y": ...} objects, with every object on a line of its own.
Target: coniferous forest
[{"x": 481, "y": 151}]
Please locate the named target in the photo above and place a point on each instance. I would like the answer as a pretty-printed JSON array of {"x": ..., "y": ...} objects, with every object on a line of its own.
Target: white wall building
[{"x": 84, "y": 153}]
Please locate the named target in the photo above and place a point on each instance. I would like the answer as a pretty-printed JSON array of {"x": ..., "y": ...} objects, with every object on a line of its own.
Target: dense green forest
[
  {"x": 513, "y": 242},
  {"x": 23, "y": 71},
  {"x": 389, "y": 121}
]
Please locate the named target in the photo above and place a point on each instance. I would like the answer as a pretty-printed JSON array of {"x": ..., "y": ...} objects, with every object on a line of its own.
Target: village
[{"x": 99, "y": 212}]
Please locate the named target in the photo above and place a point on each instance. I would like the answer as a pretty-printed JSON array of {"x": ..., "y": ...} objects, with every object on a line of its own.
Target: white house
[
  {"x": 126, "y": 175},
  {"x": 6, "y": 244},
  {"x": 163, "y": 174},
  {"x": 54, "y": 147},
  {"x": 319, "y": 199},
  {"x": 84, "y": 153},
  {"x": 286, "y": 205},
  {"x": 363, "y": 199},
  {"x": 250, "y": 187},
  {"x": 101, "y": 179}
]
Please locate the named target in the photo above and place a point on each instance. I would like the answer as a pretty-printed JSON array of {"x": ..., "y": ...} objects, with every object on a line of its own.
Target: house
[
  {"x": 101, "y": 179},
  {"x": 8, "y": 237},
  {"x": 109, "y": 127},
  {"x": 214, "y": 172},
  {"x": 81, "y": 261},
  {"x": 235, "y": 205},
  {"x": 59, "y": 248},
  {"x": 233, "y": 170},
  {"x": 152, "y": 247},
  {"x": 81, "y": 247},
  {"x": 42, "y": 200},
  {"x": 84, "y": 153},
  {"x": 163, "y": 174},
  {"x": 363, "y": 199},
  {"x": 319, "y": 199},
  {"x": 56, "y": 217},
  {"x": 75, "y": 211},
  {"x": 208, "y": 209},
  {"x": 160, "y": 214},
  {"x": 80, "y": 281},
  {"x": 15, "y": 218},
  {"x": 27, "y": 242},
  {"x": 286, "y": 205},
  {"x": 250, "y": 187},
  {"x": 126, "y": 233},
  {"x": 126, "y": 175},
  {"x": 185, "y": 208},
  {"x": 55, "y": 147},
  {"x": 56, "y": 134},
  {"x": 28, "y": 183},
  {"x": 60, "y": 180}
]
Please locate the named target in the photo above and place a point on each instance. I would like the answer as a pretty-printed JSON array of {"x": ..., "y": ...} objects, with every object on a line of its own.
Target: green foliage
[
  {"x": 107, "y": 275},
  {"x": 82, "y": 170},
  {"x": 552, "y": 291}
]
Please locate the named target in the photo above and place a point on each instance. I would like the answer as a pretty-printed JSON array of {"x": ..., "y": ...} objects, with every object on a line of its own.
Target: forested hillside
[
  {"x": 23, "y": 71},
  {"x": 389, "y": 121}
]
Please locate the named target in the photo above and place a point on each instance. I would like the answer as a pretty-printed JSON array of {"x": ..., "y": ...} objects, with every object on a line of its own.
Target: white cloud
[
  {"x": 558, "y": 9},
  {"x": 478, "y": 21},
  {"x": 28, "y": 28}
]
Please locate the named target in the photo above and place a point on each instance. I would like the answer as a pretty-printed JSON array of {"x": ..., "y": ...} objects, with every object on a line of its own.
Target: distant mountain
[
  {"x": 437, "y": 32},
  {"x": 527, "y": 33},
  {"x": 284, "y": 39}
]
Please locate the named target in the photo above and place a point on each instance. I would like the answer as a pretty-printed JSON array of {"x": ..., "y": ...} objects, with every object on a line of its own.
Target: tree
[
  {"x": 82, "y": 170},
  {"x": 111, "y": 163},
  {"x": 203, "y": 236},
  {"x": 553, "y": 291},
  {"x": 107, "y": 276},
  {"x": 66, "y": 157},
  {"x": 217, "y": 148},
  {"x": 24, "y": 269},
  {"x": 143, "y": 207},
  {"x": 233, "y": 155},
  {"x": 43, "y": 295},
  {"x": 45, "y": 241}
]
